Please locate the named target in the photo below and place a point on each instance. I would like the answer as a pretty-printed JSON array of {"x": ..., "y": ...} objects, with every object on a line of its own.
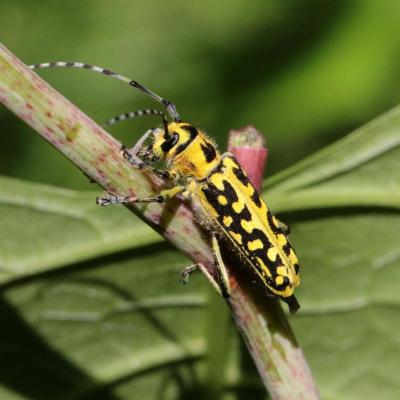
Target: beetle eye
[{"x": 170, "y": 143}]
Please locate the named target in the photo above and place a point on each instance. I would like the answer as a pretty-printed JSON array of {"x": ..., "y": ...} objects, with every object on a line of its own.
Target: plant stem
[{"x": 262, "y": 323}]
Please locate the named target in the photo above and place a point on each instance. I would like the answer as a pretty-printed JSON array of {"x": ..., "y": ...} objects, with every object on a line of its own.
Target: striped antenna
[
  {"x": 133, "y": 114},
  {"x": 171, "y": 109}
]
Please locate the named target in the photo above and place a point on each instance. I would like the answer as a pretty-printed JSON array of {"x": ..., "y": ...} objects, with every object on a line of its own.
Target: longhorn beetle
[{"x": 223, "y": 198}]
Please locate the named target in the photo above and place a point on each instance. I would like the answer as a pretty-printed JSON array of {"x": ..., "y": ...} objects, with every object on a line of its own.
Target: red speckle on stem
[
  {"x": 131, "y": 192},
  {"x": 154, "y": 217},
  {"x": 112, "y": 189},
  {"x": 41, "y": 86},
  {"x": 204, "y": 259},
  {"x": 29, "y": 105},
  {"x": 49, "y": 114},
  {"x": 187, "y": 230},
  {"x": 17, "y": 84},
  {"x": 184, "y": 211},
  {"x": 102, "y": 173},
  {"x": 26, "y": 117},
  {"x": 49, "y": 130},
  {"x": 104, "y": 136},
  {"x": 101, "y": 158},
  {"x": 116, "y": 156}
]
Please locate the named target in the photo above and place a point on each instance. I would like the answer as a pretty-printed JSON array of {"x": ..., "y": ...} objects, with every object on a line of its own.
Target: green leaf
[
  {"x": 350, "y": 300},
  {"x": 108, "y": 322},
  {"x": 99, "y": 323},
  {"x": 45, "y": 227},
  {"x": 360, "y": 170}
]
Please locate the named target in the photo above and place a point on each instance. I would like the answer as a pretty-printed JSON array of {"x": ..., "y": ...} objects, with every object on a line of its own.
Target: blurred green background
[
  {"x": 78, "y": 316},
  {"x": 304, "y": 72}
]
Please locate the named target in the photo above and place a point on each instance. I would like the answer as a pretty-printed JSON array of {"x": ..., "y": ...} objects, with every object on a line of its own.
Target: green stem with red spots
[{"x": 265, "y": 330}]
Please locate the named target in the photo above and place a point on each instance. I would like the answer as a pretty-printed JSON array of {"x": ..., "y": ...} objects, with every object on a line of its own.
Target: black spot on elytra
[
  {"x": 286, "y": 248},
  {"x": 272, "y": 224},
  {"x": 243, "y": 179},
  {"x": 212, "y": 192},
  {"x": 296, "y": 267},
  {"x": 284, "y": 284},
  {"x": 240, "y": 175},
  {"x": 256, "y": 198}
]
